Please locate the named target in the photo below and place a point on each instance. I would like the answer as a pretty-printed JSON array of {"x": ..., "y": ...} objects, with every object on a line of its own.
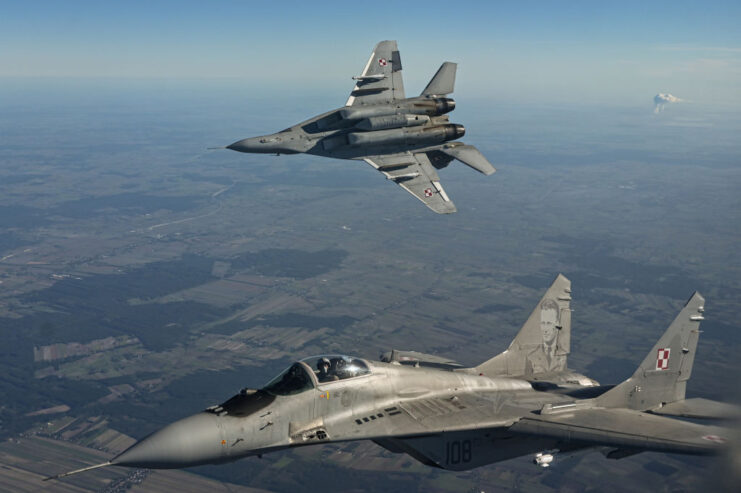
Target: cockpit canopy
[
  {"x": 333, "y": 367},
  {"x": 326, "y": 368},
  {"x": 293, "y": 380}
]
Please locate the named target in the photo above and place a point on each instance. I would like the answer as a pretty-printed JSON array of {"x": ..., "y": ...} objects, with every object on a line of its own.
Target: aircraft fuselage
[
  {"x": 356, "y": 132},
  {"x": 255, "y": 422}
]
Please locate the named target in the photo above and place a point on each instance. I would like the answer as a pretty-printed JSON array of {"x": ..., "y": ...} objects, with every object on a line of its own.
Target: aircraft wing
[
  {"x": 621, "y": 428},
  {"x": 625, "y": 429},
  {"x": 415, "y": 174},
  {"x": 426, "y": 427},
  {"x": 380, "y": 81}
]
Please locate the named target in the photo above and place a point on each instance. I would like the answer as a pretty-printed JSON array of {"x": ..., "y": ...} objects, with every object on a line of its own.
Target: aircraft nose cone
[
  {"x": 243, "y": 145},
  {"x": 191, "y": 441}
]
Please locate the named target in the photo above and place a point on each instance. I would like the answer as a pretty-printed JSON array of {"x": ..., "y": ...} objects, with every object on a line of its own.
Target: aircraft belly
[
  {"x": 460, "y": 451},
  {"x": 338, "y": 149}
]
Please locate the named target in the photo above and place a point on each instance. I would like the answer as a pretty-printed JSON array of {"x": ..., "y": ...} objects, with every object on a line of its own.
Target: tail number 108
[{"x": 458, "y": 451}]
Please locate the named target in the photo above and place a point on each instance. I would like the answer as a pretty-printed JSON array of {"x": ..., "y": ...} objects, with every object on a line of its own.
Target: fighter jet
[
  {"x": 524, "y": 401},
  {"x": 406, "y": 139}
]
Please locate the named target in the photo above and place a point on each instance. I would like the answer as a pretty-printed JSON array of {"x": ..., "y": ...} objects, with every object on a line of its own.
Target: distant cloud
[{"x": 662, "y": 99}]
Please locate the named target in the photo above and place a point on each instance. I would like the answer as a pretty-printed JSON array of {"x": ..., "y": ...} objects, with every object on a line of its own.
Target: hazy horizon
[
  {"x": 534, "y": 51},
  {"x": 144, "y": 277}
]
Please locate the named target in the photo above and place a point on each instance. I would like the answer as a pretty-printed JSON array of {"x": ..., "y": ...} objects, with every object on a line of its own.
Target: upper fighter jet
[
  {"x": 406, "y": 139},
  {"x": 524, "y": 401}
]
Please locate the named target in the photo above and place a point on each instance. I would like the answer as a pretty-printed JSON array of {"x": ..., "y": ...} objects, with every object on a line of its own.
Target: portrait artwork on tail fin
[
  {"x": 543, "y": 343},
  {"x": 549, "y": 356},
  {"x": 456, "y": 418}
]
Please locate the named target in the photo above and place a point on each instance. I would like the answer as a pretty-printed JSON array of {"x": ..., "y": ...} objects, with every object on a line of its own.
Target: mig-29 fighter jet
[
  {"x": 406, "y": 139},
  {"x": 524, "y": 401}
]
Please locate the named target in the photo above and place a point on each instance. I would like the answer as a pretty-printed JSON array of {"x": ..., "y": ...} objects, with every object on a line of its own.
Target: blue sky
[{"x": 624, "y": 52}]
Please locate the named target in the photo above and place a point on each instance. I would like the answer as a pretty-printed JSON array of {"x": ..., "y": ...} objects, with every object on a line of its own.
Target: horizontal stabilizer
[
  {"x": 470, "y": 156},
  {"x": 443, "y": 81},
  {"x": 624, "y": 428},
  {"x": 698, "y": 408}
]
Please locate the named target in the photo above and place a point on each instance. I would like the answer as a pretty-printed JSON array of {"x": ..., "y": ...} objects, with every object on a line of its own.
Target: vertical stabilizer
[
  {"x": 662, "y": 377},
  {"x": 544, "y": 342},
  {"x": 443, "y": 82}
]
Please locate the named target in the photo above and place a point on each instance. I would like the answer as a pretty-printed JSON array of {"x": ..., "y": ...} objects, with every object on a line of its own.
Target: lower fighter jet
[
  {"x": 524, "y": 401},
  {"x": 406, "y": 139}
]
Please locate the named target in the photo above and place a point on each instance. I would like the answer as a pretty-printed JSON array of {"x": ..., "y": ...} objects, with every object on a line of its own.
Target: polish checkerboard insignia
[
  {"x": 662, "y": 359},
  {"x": 382, "y": 62},
  {"x": 428, "y": 192},
  {"x": 714, "y": 438}
]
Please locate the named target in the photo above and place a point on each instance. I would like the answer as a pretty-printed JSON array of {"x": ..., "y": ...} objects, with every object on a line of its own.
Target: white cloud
[{"x": 662, "y": 99}]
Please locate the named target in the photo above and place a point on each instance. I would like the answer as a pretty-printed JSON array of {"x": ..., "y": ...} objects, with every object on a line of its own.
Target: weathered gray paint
[
  {"x": 387, "y": 130},
  {"x": 459, "y": 418}
]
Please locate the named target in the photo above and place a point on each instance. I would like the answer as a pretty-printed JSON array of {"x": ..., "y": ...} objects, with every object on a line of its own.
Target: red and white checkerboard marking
[
  {"x": 662, "y": 359},
  {"x": 428, "y": 192},
  {"x": 714, "y": 438},
  {"x": 382, "y": 62}
]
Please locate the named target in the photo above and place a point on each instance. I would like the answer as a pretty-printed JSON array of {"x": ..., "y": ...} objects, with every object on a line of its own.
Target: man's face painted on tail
[{"x": 549, "y": 324}]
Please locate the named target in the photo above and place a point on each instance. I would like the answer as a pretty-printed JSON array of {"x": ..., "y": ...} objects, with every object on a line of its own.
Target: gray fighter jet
[
  {"x": 524, "y": 401},
  {"x": 406, "y": 139}
]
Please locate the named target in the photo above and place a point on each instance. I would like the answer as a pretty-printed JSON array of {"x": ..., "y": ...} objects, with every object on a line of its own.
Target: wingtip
[
  {"x": 696, "y": 299},
  {"x": 442, "y": 212},
  {"x": 562, "y": 277}
]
